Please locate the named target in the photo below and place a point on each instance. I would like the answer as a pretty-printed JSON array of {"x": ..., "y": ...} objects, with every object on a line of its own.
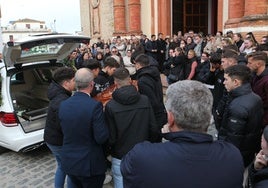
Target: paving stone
[
  {"x": 18, "y": 172},
  {"x": 36, "y": 182},
  {"x": 24, "y": 181}
]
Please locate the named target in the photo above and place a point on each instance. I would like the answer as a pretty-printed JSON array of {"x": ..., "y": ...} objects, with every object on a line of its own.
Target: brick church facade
[{"x": 108, "y": 18}]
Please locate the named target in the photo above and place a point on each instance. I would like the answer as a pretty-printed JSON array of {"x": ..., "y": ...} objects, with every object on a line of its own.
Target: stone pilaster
[
  {"x": 119, "y": 17},
  {"x": 134, "y": 10}
]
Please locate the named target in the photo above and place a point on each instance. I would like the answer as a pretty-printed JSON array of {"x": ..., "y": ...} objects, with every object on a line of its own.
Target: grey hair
[
  {"x": 191, "y": 103},
  {"x": 83, "y": 77}
]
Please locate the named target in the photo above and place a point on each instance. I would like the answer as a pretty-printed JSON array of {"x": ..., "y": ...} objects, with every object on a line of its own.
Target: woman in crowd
[
  {"x": 94, "y": 49},
  {"x": 189, "y": 44},
  {"x": 127, "y": 63},
  {"x": 99, "y": 58},
  {"x": 183, "y": 45},
  {"x": 190, "y": 67},
  {"x": 250, "y": 36},
  {"x": 177, "y": 64},
  {"x": 121, "y": 47},
  {"x": 211, "y": 45},
  {"x": 238, "y": 40},
  {"x": 249, "y": 46}
]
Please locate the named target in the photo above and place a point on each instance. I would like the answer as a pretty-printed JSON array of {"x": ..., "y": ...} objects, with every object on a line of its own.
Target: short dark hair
[
  {"x": 121, "y": 73},
  {"x": 178, "y": 49},
  {"x": 262, "y": 47},
  {"x": 63, "y": 73},
  {"x": 91, "y": 64},
  {"x": 240, "y": 72},
  {"x": 215, "y": 58},
  {"x": 239, "y": 35},
  {"x": 207, "y": 54},
  {"x": 111, "y": 62},
  {"x": 231, "y": 47},
  {"x": 258, "y": 55},
  {"x": 135, "y": 54},
  {"x": 143, "y": 60},
  {"x": 230, "y": 54}
]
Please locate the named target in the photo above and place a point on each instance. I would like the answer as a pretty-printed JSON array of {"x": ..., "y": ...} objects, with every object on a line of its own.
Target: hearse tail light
[{"x": 8, "y": 119}]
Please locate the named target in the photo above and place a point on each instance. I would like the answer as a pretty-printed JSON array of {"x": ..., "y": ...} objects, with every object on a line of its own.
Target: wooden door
[{"x": 195, "y": 15}]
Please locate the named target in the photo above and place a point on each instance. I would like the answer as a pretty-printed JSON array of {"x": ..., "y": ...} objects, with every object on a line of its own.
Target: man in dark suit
[
  {"x": 161, "y": 51},
  {"x": 151, "y": 47},
  {"x": 84, "y": 130}
]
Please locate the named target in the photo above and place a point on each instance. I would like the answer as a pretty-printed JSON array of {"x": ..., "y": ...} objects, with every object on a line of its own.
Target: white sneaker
[{"x": 108, "y": 179}]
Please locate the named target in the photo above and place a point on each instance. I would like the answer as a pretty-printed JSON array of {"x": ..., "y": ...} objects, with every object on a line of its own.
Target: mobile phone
[{"x": 265, "y": 157}]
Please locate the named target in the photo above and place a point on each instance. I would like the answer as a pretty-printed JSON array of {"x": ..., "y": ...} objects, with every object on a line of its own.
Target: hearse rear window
[{"x": 42, "y": 49}]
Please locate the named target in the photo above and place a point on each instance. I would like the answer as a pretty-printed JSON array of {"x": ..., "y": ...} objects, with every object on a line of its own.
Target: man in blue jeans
[
  {"x": 85, "y": 131},
  {"x": 59, "y": 90},
  {"x": 130, "y": 120}
]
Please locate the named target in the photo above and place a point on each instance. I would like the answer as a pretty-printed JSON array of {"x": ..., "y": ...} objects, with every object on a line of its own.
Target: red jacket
[{"x": 259, "y": 85}]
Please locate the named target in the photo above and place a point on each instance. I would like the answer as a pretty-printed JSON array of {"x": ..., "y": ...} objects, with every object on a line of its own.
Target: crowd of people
[{"x": 118, "y": 107}]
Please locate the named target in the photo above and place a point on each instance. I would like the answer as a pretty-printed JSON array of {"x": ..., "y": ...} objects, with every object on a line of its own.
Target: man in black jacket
[
  {"x": 161, "y": 51},
  {"x": 104, "y": 78},
  {"x": 216, "y": 78},
  {"x": 242, "y": 118},
  {"x": 229, "y": 58},
  {"x": 59, "y": 90},
  {"x": 149, "y": 84},
  {"x": 130, "y": 120}
]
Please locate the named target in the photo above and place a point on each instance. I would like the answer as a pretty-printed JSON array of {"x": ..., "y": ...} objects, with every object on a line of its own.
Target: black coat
[
  {"x": 102, "y": 82},
  {"x": 216, "y": 78},
  {"x": 258, "y": 178},
  {"x": 53, "y": 133},
  {"x": 177, "y": 67},
  {"x": 202, "y": 71},
  {"x": 188, "y": 67},
  {"x": 149, "y": 84},
  {"x": 188, "y": 160},
  {"x": 242, "y": 121},
  {"x": 149, "y": 47},
  {"x": 130, "y": 119}
]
